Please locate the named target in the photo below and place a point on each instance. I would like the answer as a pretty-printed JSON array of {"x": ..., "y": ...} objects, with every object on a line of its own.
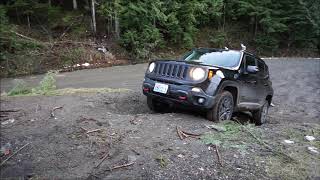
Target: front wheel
[
  {"x": 223, "y": 108},
  {"x": 155, "y": 105},
  {"x": 260, "y": 116}
]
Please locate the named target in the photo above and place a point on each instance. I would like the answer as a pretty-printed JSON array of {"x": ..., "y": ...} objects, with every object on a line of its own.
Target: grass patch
[
  {"x": 277, "y": 168},
  {"x": 67, "y": 91},
  {"x": 21, "y": 88},
  {"x": 233, "y": 136},
  {"x": 47, "y": 86},
  {"x": 70, "y": 91},
  {"x": 305, "y": 164},
  {"x": 163, "y": 162},
  {"x": 281, "y": 161}
]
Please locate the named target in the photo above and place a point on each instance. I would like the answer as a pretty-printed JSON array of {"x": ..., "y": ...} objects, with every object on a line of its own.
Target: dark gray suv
[{"x": 218, "y": 81}]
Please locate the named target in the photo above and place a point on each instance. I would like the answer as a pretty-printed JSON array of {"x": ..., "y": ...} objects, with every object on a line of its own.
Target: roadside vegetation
[
  {"x": 281, "y": 160},
  {"x": 38, "y": 36}
]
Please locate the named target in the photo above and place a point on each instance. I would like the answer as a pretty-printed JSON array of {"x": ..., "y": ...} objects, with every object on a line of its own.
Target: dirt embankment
[{"x": 94, "y": 133}]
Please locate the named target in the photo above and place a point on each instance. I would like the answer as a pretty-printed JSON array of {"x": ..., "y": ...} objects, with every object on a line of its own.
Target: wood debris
[
  {"x": 104, "y": 158},
  {"x": 5, "y": 113},
  {"x": 218, "y": 154},
  {"x": 9, "y": 110},
  {"x": 183, "y": 134},
  {"x": 52, "y": 111},
  {"x": 121, "y": 166},
  {"x": 95, "y": 130},
  {"x": 90, "y": 131}
]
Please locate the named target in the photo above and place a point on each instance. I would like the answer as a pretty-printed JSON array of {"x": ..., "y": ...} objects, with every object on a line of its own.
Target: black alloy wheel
[{"x": 223, "y": 108}]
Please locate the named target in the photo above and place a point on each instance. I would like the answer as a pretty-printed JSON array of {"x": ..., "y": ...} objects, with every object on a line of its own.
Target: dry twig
[
  {"x": 91, "y": 131},
  {"x": 183, "y": 134},
  {"x": 84, "y": 129},
  {"x": 9, "y": 110},
  {"x": 121, "y": 166},
  {"x": 104, "y": 158},
  {"x": 25, "y": 37},
  {"x": 74, "y": 42},
  {"x": 55, "y": 108},
  {"x": 218, "y": 154},
  {"x": 2, "y": 163},
  {"x": 179, "y": 133}
]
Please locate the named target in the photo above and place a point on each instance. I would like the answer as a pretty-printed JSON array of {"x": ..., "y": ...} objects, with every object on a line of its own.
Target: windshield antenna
[{"x": 243, "y": 47}]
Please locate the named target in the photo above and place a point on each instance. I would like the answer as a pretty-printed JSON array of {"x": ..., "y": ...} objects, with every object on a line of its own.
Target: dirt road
[
  {"x": 296, "y": 83},
  {"x": 130, "y": 76},
  {"x": 125, "y": 131}
]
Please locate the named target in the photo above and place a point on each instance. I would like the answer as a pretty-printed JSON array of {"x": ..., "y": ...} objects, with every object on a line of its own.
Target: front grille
[{"x": 171, "y": 70}]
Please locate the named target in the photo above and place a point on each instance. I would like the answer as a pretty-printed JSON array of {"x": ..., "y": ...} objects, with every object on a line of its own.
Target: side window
[{"x": 250, "y": 61}]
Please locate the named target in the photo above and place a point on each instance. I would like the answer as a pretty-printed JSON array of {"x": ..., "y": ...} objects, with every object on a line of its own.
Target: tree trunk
[
  {"x": 256, "y": 26},
  {"x": 28, "y": 20},
  {"x": 93, "y": 14},
  {"x": 49, "y": 3},
  {"x": 224, "y": 17},
  {"x": 75, "y": 5},
  {"x": 116, "y": 26},
  {"x": 18, "y": 19},
  {"x": 318, "y": 45}
]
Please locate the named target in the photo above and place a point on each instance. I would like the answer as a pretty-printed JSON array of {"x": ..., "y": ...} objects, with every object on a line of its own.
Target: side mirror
[{"x": 252, "y": 69}]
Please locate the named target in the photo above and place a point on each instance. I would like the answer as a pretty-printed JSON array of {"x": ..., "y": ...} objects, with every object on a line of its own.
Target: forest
[{"x": 41, "y": 35}]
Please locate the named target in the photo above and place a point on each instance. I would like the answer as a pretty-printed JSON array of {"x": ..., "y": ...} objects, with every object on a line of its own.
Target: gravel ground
[{"x": 129, "y": 133}]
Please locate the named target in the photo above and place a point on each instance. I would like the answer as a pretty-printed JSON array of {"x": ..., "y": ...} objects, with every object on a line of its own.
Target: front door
[{"x": 249, "y": 82}]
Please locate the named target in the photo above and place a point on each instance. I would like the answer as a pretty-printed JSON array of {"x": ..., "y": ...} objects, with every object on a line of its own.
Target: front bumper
[{"x": 178, "y": 94}]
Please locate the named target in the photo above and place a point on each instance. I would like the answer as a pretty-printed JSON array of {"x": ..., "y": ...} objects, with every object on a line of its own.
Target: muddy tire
[
  {"x": 260, "y": 116},
  {"x": 223, "y": 108},
  {"x": 154, "y": 105}
]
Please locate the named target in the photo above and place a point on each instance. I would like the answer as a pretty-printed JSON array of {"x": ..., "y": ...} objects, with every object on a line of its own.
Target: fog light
[
  {"x": 201, "y": 100},
  {"x": 195, "y": 89}
]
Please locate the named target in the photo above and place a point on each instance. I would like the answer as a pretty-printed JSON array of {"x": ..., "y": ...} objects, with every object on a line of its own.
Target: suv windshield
[{"x": 215, "y": 58}]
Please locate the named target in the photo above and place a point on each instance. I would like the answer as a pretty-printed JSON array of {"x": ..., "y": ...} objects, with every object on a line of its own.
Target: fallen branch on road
[
  {"x": 183, "y": 134},
  {"x": 104, "y": 158},
  {"x": 9, "y": 110},
  {"x": 218, "y": 154},
  {"x": 52, "y": 111},
  {"x": 90, "y": 131},
  {"x": 121, "y": 166},
  {"x": 4, "y": 113}
]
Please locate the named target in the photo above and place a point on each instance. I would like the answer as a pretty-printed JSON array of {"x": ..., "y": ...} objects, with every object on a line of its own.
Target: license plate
[{"x": 160, "y": 88}]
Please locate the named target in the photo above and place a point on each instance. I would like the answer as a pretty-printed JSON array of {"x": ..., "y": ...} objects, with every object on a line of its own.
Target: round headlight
[
  {"x": 198, "y": 74},
  {"x": 151, "y": 67}
]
